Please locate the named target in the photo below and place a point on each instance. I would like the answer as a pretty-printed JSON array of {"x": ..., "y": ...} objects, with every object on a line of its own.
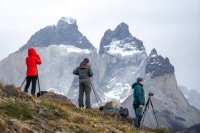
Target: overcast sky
[{"x": 170, "y": 26}]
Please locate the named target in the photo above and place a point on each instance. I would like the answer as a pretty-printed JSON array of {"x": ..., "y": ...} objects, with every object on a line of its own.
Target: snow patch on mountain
[
  {"x": 124, "y": 49},
  {"x": 120, "y": 91},
  {"x": 69, "y": 20},
  {"x": 70, "y": 48}
]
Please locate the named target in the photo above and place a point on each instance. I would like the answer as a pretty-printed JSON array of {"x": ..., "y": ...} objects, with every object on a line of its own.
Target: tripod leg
[
  {"x": 143, "y": 115},
  {"x": 23, "y": 83},
  {"x": 145, "y": 109},
  {"x": 39, "y": 86},
  {"x": 154, "y": 112},
  {"x": 94, "y": 93}
]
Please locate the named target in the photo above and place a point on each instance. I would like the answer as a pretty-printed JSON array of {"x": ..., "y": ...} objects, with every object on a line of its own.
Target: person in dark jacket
[
  {"x": 139, "y": 100},
  {"x": 32, "y": 61},
  {"x": 84, "y": 72}
]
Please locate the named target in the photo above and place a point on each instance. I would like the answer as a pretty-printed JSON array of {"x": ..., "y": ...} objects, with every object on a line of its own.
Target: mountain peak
[
  {"x": 67, "y": 23},
  {"x": 65, "y": 32},
  {"x": 122, "y": 31},
  {"x": 120, "y": 41},
  {"x": 122, "y": 26},
  {"x": 157, "y": 65},
  {"x": 68, "y": 20},
  {"x": 153, "y": 53}
]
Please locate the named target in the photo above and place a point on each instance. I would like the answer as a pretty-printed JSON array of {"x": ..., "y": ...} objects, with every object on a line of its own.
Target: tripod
[
  {"x": 23, "y": 83},
  {"x": 39, "y": 88},
  {"x": 145, "y": 109},
  {"x": 94, "y": 93}
]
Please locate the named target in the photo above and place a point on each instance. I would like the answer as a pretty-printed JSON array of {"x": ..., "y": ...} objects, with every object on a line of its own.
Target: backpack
[{"x": 124, "y": 112}]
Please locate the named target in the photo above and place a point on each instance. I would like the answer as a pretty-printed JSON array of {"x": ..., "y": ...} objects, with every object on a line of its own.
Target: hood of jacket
[
  {"x": 84, "y": 64},
  {"x": 31, "y": 52},
  {"x": 135, "y": 84}
]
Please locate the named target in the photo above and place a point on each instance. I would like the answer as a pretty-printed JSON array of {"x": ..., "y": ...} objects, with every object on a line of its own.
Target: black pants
[
  {"x": 30, "y": 79},
  {"x": 84, "y": 87},
  {"x": 138, "y": 115}
]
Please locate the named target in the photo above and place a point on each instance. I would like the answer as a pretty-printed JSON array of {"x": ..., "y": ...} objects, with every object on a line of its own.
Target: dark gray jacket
[{"x": 84, "y": 71}]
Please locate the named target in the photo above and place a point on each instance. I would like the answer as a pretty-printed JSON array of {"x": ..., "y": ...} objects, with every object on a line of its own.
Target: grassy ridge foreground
[{"x": 54, "y": 113}]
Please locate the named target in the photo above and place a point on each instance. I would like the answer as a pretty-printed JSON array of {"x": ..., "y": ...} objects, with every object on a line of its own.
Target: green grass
[
  {"x": 161, "y": 130},
  {"x": 16, "y": 111}
]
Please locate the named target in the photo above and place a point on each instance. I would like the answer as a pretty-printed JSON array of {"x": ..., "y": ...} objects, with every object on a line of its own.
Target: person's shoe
[
  {"x": 137, "y": 128},
  {"x": 88, "y": 108}
]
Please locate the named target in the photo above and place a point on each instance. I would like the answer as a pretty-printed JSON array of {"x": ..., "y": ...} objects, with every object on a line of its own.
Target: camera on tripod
[
  {"x": 150, "y": 94},
  {"x": 147, "y": 105}
]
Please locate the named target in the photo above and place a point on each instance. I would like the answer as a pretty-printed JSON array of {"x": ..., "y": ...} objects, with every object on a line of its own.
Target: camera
[{"x": 150, "y": 94}]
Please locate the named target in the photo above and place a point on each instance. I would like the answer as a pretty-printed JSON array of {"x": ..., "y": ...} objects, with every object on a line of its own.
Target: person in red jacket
[{"x": 32, "y": 61}]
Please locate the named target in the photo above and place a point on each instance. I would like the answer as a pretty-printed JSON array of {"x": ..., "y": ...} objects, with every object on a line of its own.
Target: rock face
[
  {"x": 192, "y": 96},
  {"x": 171, "y": 108},
  {"x": 119, "y": 39},
  {"x": 65, "y": 32},
  {"x": 158, "y": 66},
  {"x": 120, "y": 60}
]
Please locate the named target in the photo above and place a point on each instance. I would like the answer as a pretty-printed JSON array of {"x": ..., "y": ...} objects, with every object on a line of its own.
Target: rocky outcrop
[
  {"x": 158, "y": 66},
  {"x": 120, "y": 38},
  {"x": 65, "y": 32}
]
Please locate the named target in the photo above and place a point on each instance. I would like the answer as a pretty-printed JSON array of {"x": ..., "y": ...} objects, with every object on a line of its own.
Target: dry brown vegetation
[{"x": 53, "y": 113}]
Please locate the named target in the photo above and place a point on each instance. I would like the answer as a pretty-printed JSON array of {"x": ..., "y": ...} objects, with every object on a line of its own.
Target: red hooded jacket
[{"x": 31, "y": 62}]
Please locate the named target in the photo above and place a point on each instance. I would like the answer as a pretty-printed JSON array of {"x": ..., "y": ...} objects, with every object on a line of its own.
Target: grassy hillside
[{"x": 53, "y": 113}]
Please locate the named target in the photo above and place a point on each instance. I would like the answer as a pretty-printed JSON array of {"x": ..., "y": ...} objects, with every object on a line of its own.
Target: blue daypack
[{"x": 124, "y": 112}]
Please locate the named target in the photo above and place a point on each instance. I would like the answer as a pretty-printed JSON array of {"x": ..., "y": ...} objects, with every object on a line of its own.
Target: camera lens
[{"x": 150, "y": 94}]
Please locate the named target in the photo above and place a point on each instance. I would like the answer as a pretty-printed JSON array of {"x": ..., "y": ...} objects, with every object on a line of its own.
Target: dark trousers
[
  {"x": 30, "y": 79},
  {"x": 138, "y": 115},
  {"x": 84, "y": 87}
]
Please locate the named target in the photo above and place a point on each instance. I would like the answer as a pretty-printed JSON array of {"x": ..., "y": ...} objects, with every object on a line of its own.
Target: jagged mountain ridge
[
  {"x": 158, "y": 66},
  {"x": 65, "y": 32},
  {"x": 119, "y": 39},
  {"x": 109, "y": 64},
  {"x": 116, "y": 68}
]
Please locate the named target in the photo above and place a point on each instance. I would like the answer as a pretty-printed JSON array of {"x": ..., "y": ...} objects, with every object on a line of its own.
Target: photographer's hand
[{"x": 140, "y": 106}]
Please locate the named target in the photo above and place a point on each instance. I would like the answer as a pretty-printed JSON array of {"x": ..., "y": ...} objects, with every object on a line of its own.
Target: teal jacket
[{"x": 138, "y": 94}]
